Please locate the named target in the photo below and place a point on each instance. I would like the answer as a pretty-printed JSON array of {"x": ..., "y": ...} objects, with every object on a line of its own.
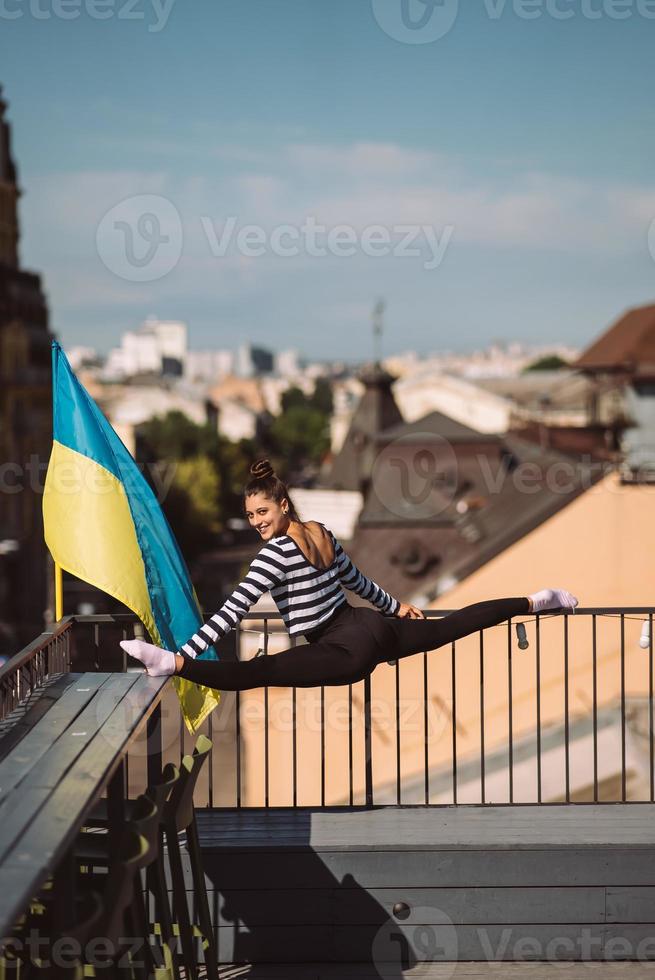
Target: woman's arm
[
  {"x": 357, "y": 582},
  {"x": 266, "y": 571}
]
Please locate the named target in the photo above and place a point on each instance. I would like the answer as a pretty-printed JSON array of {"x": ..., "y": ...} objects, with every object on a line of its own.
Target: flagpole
[{"x": 59, "y": 593}]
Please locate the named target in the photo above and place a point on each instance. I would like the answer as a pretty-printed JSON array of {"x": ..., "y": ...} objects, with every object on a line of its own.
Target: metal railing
[
  {"x": 484, "y": 750},
  {"x": 24, "y": 673}
]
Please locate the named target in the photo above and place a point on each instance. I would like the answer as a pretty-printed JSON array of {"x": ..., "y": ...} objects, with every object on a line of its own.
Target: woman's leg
[
  {"x": 309, "y": 665},
  {"x": 416, "y": 635}
]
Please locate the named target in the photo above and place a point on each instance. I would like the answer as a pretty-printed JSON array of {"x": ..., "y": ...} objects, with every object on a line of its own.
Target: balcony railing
[{"x": 485, "y": 720}]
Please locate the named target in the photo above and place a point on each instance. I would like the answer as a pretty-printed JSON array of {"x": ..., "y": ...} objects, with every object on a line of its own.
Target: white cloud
[{"x": 358, "y": 184}]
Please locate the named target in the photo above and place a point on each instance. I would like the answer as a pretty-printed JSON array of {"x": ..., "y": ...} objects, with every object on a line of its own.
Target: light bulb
[
  {"x": 522, "y": 636},
  {"x": 644, "y": 639}
]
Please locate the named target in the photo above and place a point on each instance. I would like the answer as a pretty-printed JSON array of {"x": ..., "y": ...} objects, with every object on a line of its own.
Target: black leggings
[{"x": 350, "y": 646}]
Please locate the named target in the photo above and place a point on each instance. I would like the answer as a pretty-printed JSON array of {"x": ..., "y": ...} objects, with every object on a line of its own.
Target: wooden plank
[
  {"x": 630, "y": 903},
  {"x": 472, "y": 905},
  {"x": 290, "y": 944},
  {"x": 436, "y": 827},
  {"x": 52, "y": 764},
  {"x": 436, "y": 971},
  {"x": 401, "y": 945},
  {"x": 546, "y": 867},
  {"x": 357, "y": 906},
  {"x": 71, "y": 797},
  {"x": 47, "y": 833},
  {"x": 395, "y": 946},
  {"x": 40, "y": 740}
]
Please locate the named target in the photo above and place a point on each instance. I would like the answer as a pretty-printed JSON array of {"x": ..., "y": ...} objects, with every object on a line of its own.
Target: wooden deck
[
  {"x": 445, "y": 971},
  {"x": 430, "y": 828},
  {"x": 403, "y": 887}
]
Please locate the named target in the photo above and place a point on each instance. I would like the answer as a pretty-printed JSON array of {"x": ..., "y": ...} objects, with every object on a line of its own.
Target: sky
[{"x": 266, "y": 170}]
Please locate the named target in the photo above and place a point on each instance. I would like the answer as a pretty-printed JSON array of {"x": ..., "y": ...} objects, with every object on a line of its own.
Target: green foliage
[
  {"x": 551, "y": 362},
  {"x": 300, "y": 435},
  {"x": 174, "y": 436},
  {"x": 209, "y": 474},
  {"x": 192, "y": 504},
  {"x": 322, "y": 398}
]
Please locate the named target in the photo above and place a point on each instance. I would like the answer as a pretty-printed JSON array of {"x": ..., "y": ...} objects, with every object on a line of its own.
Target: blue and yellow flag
[{"x": 104, "y": 525}]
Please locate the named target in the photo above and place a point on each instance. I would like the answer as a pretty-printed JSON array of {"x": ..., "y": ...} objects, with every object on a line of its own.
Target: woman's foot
[
  {"x": 157, "y": 662},
  {"x": 552, "y": 599}
]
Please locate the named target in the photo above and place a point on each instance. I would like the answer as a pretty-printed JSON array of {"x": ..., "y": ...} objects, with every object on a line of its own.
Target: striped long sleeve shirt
[{"x": 305, "y": 595}]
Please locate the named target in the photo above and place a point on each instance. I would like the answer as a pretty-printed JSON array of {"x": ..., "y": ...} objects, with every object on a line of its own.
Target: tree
[
  {"x": 209, "y": 475},
  {"x": 192, "y": 504},
  {"x": 551, "y": 362},
  {"x": 300, "y": 434}
]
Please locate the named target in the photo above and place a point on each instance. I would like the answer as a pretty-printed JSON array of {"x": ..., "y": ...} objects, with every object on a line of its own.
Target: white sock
[
  {"x": 157, "y": 662},
  {"x": 552, "y": 599}
]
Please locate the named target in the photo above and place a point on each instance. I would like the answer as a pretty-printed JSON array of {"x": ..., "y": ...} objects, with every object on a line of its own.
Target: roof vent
[{"x": 414, "y": 558}]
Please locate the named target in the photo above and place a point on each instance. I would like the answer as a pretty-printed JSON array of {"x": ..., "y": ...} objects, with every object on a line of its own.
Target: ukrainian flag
[{"x": 103, "y": 524}]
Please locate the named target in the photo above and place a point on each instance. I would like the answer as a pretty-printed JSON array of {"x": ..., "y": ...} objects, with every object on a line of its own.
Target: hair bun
[{"x": 261, "y": 469}]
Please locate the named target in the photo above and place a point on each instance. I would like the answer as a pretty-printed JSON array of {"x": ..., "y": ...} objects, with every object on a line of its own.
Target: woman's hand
[{"x": 405, "y": 611}]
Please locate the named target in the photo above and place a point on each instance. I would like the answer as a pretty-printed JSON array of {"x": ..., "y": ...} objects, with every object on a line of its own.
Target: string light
[{"x": 644, "y": 639}]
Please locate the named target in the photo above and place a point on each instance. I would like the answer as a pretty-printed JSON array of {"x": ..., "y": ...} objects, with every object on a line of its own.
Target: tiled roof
[
  {"x": 629, "y": 344},
  {"x": 410, "y": 558},
  {"x": 436, "y": 423}
]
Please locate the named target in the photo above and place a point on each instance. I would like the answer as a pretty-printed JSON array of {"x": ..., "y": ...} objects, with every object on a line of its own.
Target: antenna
[{"x": 378, "y": 313}]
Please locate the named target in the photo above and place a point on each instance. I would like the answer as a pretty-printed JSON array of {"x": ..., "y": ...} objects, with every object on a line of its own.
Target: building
[
  {"x": 377, "y": 410},
  {"x": 25, "y": 422},
  {"x": 252, "y": 361},
  {"x": 208, "y": 366},
  {"x": 158, "y": 347},
  {"x": 622, "y": 363},
  {"x": 287, "y": 363},
  {"x": 429, "y": 389}
]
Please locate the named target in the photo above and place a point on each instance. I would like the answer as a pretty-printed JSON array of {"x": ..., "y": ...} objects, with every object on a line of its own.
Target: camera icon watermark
[
  {"x": 414, "y": 938},
  {"x": 140, "y": 239},
  {"x": 416, "y": 476},
  {"x": 416, "y": 21}
]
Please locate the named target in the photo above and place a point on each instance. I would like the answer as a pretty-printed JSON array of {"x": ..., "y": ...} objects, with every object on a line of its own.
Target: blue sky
[{"x": 525, "y": 144}]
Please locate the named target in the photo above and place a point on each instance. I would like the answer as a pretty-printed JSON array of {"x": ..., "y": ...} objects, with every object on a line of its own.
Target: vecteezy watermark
[
  {"x": 65, "y": 952},
  {"x": 284, "y": 713},
  {"x": 158, "y": 11},
  {"x": 416, "y": 21},
  {"x": 140, "y": 238},
  {"x": 419, "y": 476},
  {"x": 73, "y": 477},
  {"x": 416, "y": 476},
  {"x": 319, "y": 240},
  {"x": 425, "y": 21},
  {"x": 414, "y": 938},
  {"x": 589, "y": 946}
]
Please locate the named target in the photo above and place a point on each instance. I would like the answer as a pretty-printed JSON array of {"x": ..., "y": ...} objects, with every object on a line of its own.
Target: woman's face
[{"x": 266, "y": 515}]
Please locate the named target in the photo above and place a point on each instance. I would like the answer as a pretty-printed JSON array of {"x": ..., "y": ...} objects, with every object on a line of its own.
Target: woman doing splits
[{"x": 305, "y": 568}]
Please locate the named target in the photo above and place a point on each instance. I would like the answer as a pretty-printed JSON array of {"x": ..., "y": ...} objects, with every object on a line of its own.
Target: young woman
[{"x": 305, "y": 568}]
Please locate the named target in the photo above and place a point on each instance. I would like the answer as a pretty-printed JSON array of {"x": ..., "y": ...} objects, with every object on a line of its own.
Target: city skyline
[{"x": 528, "y": 197}]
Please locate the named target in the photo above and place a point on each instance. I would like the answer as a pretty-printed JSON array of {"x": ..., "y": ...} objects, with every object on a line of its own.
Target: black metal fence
[{"x": 609, "y": 712}]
